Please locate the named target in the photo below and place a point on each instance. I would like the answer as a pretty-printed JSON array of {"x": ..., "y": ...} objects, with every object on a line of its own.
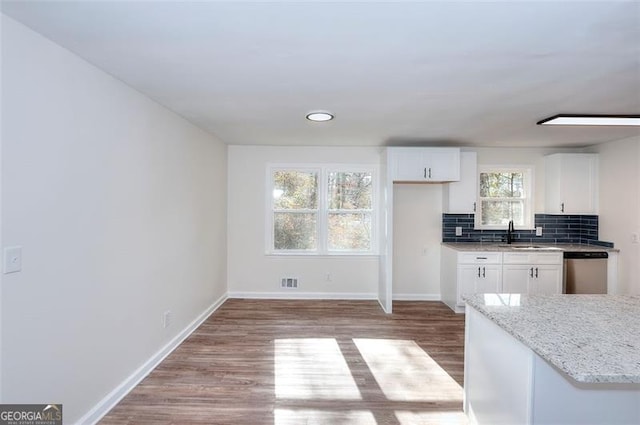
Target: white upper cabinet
[
  {"x": 460, "y": 197},
  {"x": 571, "y": 183},
  {"x": 424, "y": 164}
]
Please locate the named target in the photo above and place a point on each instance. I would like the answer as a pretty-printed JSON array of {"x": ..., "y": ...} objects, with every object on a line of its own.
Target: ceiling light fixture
[
  {"x": 577, "y": 119},
  {"x": 319, "y": 116}
]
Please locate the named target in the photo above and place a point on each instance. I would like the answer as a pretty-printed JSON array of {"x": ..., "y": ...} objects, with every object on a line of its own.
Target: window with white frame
[
  {"x": 504, "y": 194},
  {"x": 321, "y": 210}
]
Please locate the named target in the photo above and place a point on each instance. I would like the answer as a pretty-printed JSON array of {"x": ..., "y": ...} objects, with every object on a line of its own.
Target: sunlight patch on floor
[
  {"x": 405, "y": 372},
  {"x": 322, "y": 417},
  {"x": 312, "y": 369}
]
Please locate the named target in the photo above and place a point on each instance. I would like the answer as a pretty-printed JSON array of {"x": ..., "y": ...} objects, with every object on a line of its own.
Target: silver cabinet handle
[
  {"x": 429, "y": 172},
  {"x": 536, "y": 272},
  {"x": 481, "y": 258},
  {"x": 531, "y": 272},
  {"x": 478, "y": 271},
  {"x": 474, "y": 207},
  {"x": 562, "y": 207},
  {"x": 484, "y": 269},
  {"x": 425, "y": 172}
]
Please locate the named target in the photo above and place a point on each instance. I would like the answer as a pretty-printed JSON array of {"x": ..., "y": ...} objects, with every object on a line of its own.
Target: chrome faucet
[{"x": 510, "y": 232}]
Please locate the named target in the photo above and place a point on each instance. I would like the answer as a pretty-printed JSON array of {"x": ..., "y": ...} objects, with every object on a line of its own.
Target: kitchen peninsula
[{"x": 552, "y": 359}]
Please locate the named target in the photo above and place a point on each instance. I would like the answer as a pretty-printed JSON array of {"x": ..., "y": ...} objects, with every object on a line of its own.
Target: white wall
[
  {"x": 417, "y": 235},
  {"x": 120, "y": 208},
  {"x": 250, "y": 271},
  {"x": 620, "y": 206}
]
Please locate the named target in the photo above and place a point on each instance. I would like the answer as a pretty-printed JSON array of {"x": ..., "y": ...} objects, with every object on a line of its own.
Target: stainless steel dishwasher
[{"x": 585, "y": 272}]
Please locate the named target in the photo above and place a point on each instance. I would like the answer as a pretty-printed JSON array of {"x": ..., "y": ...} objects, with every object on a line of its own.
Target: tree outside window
[
  {"x": 322, "y": 210},
  {"x": 295, "y": 210},
  {"x": 504, "y": 195},
  {"x": 349, "y": 212}
]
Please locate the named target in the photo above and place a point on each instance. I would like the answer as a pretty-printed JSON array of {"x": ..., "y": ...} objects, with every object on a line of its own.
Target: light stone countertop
[
  {"x": 503, "y": 247},
  {"x": 592, "y": 338}
]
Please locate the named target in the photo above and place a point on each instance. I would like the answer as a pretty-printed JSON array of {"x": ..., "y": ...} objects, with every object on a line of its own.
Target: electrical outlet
[
  {"x": 166, "y": 319},
  {"x": 539, "y": 231},
  {"x": 12, "y": 259},
  {"x": 458, "y": 230},
  {"x": 327, "y": 277},
  {"x": 635, "y": 238}
]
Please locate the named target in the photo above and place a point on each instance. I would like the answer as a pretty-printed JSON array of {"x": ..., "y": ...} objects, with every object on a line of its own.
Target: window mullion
[{"x": 322, "y": 224}]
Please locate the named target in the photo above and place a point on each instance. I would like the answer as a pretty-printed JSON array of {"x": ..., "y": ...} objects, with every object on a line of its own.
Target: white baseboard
[
  {"x": 416, "y": 297},
  {"x": 305, "y": 295},
  {"x": 106, "y": 404}
]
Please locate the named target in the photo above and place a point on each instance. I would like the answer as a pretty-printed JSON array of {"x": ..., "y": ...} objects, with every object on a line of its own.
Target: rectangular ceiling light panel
[{"x": 567, "y": 119}]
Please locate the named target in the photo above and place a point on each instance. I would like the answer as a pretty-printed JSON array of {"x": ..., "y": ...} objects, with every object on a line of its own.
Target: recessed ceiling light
[
  {"x": 576, "y": 119},
  {"x": 319, "y": 116}
]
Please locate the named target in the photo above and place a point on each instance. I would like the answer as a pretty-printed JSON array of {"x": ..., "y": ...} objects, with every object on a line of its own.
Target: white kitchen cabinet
[
  {"x": 532, "y": 273},
  {"x": 515, "y": 278},
  {"x": 478, "y": 279},
  {"x": 424, "y": 164},
  {"x": 461, "y": 197},
  {"x": 469, "y": 273},
  {"x": 571, "y": 183}
]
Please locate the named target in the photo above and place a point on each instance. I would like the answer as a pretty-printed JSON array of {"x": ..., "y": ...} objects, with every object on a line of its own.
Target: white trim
[
  {"x": 109, "y": 402},
  {"x": 417, "y": 297},
  {"x": 305, "y": 295}
]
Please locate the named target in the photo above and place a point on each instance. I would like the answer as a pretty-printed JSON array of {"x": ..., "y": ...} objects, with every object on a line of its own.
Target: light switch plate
[
  {"x": 458, "y": 231},
  {"x": 12, "y": 259}
]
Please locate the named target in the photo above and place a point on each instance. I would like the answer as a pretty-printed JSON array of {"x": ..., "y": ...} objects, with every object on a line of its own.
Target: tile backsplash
[{"x": 555, "y": 229}]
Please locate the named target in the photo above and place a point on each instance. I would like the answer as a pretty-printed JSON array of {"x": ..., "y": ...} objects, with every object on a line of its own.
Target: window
[
  {"x": 504, "y": 194},
  {"x": 321, "y": 210}
]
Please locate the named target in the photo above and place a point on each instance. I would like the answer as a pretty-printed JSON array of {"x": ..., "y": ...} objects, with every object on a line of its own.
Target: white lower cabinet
[
  {"x": 534, "y": 273},
  {"x": 476, "y": 272},
  {"x": 468, "y": 273},
  {"x": 478, "y": 279}
]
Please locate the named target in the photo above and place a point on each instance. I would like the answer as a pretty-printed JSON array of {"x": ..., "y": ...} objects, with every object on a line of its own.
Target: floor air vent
[{"x": 289, "y": 282}]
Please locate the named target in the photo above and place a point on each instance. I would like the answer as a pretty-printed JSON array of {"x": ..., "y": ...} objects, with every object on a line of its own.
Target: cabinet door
[
  {"x": 578, "y": 184},
  {"x": 547, "y": 280},
  {"x": 460, "y": 197},
  {"x": 571, "y": 184},
  {"x": 490, "y": 280},
  {"x": 443, "y": 164},
  {"x": 478, "y": 279},
  {"x": 515, "y": 278},
  {"x": 408, "y": 164},
  {"x": 467, "y": 275}
]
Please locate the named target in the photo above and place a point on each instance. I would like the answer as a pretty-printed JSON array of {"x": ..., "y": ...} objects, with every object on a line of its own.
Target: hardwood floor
[{"x": 288, "y": 362}]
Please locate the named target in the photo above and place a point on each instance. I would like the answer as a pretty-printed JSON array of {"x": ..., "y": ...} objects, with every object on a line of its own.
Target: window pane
[
  {"x": 501, "y": 185},
  {"x": 349, "y": 191},
  {"x": 295, "y": 189},
  {"x": 350, "y": 232},
  {"x": 294, "y": 231},
  {"x": 500, "y": 212}
]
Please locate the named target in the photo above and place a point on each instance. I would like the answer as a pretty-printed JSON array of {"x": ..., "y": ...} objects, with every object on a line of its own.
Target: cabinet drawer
[
  {"x": 532, "y": 258},
  {"x": 480, "y": 257}
]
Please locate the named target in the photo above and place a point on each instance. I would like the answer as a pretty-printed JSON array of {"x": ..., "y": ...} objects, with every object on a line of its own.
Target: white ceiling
[{"x": 437, "y": 72}]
